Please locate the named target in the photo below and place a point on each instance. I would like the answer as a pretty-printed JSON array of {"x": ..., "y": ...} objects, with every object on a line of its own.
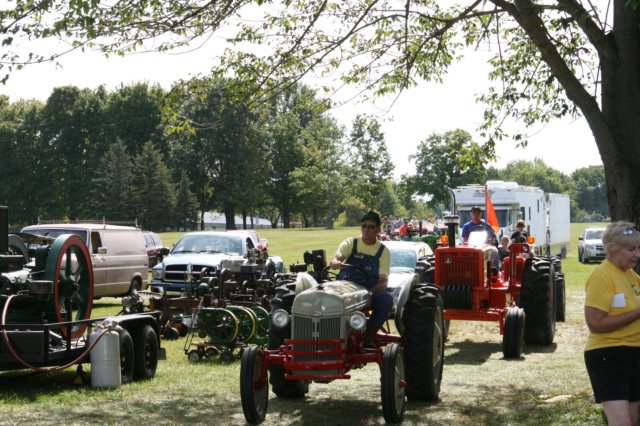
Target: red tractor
[{"x": 519, "y": 292}]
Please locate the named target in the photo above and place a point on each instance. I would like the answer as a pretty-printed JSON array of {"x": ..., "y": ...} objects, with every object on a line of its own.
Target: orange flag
[{"x": 492, "y": 219}]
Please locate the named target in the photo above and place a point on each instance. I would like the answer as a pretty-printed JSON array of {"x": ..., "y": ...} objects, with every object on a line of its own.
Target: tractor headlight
[
  {"x": 357, "y": 321},
  {"x": 280, "y": 318}
]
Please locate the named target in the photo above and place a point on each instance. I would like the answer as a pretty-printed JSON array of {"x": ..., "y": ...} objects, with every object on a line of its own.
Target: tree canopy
[{"x": 549, "y": 60}]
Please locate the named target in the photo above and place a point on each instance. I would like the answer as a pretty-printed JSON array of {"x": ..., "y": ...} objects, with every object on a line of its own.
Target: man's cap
[
  {"x": 476, "y": 209},
  {"x": 371, "y": 215}
]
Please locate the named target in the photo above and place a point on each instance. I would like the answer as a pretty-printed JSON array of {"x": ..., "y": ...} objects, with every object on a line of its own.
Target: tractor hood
[{"x": 331, "y": 299}]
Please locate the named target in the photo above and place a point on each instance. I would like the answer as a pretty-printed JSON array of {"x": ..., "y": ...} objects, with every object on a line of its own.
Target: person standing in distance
[
  {"x": 477, "y": 222},
  {"x": 612, "y": 313},
  {"x": 369, "y": 253}
]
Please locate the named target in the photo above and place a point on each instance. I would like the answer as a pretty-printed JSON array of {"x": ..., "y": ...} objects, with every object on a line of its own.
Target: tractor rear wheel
[
  {"x": 424, "y": 343},
  {"x": 391, "y": 389},
  {"x": 513, "y": 338},
  {"x": 283, "y": 388},
  {"x": 537, "y": 300},
  {"x": 254, "y": 387}
]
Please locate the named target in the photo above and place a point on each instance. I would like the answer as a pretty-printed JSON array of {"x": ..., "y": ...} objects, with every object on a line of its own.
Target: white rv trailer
[{"x": 546, "y": 215}]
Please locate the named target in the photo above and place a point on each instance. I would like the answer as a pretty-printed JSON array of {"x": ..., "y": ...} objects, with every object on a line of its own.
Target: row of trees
[{"x": 160, "y": 157}]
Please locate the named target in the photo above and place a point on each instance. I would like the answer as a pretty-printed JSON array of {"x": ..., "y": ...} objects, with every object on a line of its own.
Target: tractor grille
[
  {"x": 178, "y": 273},
  {"x": 315, "y": 329},
  {"x": 459, "y": 267}
]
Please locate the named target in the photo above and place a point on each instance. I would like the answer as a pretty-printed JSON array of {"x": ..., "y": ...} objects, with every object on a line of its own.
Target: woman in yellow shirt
[{"x": 612, "y": 311}]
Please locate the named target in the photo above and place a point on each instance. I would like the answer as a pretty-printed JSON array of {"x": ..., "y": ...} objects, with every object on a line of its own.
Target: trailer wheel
[
  {"x": 254, "y": 385},
  {"x": 226, "y": 356},
  {"x": 146, "y": 353},
  {"x": 424, "y": 343},
  {"x": 392, "y": 387},
  {"x": 127, "y": 356},
  {"x": 537, "y": 300},
  {"x": 194, "y": 355},
  {"x": 513, "y": 338},
  {"x": 283, "y": 388}
]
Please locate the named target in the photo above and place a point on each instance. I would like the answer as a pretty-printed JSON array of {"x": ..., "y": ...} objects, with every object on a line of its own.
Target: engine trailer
[
  {"x": 45, "y": 309},
  {"x": 316, "y": 334}
]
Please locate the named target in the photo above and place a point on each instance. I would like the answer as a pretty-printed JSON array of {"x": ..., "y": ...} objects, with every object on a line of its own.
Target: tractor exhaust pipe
[
  {"x": 451, "y": 222},
  {"x": 4, "y": 229}
]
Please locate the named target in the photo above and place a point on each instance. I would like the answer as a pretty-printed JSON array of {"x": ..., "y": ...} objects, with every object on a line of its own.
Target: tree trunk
[
  {"x": 620, "y": 108},
  {"x": 229, "y": 216}
]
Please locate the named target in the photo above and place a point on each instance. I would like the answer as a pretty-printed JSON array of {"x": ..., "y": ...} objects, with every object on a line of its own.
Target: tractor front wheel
[
  {"x": 513, "y": 338},
  {"x": 254, "y": 385},
  {"x": 392, "y": 383},
  {"x": 283, "y": 388}
]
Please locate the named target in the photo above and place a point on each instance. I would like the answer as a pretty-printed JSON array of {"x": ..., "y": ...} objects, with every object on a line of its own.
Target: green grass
[{"x": 479, "y": 387}]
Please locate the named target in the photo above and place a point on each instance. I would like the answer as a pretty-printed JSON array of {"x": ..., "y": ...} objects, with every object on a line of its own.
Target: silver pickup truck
[{"x": 197, "y": 251}]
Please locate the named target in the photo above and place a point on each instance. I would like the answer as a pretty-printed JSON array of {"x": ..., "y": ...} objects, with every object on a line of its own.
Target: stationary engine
[{"x": 56, "y": 286}]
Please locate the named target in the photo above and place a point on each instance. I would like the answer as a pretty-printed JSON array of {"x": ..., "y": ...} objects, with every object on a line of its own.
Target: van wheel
[{"x": 135, "y": 287}]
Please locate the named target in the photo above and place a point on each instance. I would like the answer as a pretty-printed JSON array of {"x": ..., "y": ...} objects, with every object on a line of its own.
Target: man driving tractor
[
  {"x": 477, "y": 222},
  {"x": 368, "y": 253}
]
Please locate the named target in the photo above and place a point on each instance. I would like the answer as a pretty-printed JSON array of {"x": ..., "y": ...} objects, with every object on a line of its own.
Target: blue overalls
[{"x": 381, "y": 301}]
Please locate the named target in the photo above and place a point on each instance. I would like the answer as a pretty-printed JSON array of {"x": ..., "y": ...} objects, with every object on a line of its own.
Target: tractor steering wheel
[{"x": 356, "y": 274}]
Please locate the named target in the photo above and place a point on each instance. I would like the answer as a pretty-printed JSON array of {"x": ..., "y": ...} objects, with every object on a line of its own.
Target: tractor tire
[
  {"x": 283, "y": 388},
  {"x": 426, "y": 270},
  {"x": 513, "y": 338},
  {"x": 560, "y": 297},
  {"x": 423, "y": 343},
  {"x": 254, "y": 389},
  {"x": 559, "y": 286},
  {"x": 391, "y": 389},
  {"x": 537, "y": 298}
]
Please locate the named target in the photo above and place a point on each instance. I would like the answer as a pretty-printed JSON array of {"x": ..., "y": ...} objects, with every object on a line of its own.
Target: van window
[{"x": 95, "y": 242}]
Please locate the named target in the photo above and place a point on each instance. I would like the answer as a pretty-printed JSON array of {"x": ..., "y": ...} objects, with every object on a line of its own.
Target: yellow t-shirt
[
  {"x": 346, "y": 247},
  {"x": 611, "y": 290}
]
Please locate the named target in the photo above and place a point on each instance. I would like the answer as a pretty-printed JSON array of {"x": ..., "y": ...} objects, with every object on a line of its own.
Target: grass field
[{"x": 548, "y": 385}]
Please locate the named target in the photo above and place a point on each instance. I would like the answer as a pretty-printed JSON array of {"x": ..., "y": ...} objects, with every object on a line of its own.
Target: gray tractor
[{"x": 316, "y": 334}]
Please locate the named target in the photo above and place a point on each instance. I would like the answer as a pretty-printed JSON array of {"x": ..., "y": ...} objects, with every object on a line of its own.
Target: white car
[
  {"x": 590, "y": 245},
  {"x": 404, "y": 258}
]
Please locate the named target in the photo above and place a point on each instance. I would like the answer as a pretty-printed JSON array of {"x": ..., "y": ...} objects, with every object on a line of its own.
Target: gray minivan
[{"x": 118, "y": 255}]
